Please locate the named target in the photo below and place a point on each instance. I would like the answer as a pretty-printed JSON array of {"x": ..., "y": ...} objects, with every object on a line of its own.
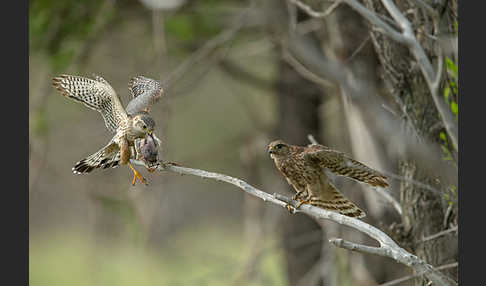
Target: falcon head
[
  {"x": 278, "y": 148},
  {"x": 143, "y": 124}
]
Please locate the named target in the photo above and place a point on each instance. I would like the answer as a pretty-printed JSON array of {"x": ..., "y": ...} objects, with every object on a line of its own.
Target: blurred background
[{"x": 239, "y": 75}]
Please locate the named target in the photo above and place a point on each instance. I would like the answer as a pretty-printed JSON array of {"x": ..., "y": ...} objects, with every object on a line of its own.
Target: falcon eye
[
  {"x": 279, "y": 146},
  {"x": 144, "y": 127}
]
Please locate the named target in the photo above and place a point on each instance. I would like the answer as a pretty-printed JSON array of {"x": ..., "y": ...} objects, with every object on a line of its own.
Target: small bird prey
[
  {"x": 127, "y": 124},
  {"x": 147, "y": 150},
  {"x": 303, "y": 167}
]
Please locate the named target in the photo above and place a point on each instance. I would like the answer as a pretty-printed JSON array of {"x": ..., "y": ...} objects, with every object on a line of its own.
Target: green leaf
[
  {"x": 443, "y": 136},
  {"x": 447, "y": 92},
  {"x": 454, "y": 108},
  {"x": 451, "y": 66}
]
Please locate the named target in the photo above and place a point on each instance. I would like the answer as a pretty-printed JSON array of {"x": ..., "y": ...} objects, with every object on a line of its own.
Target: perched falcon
[
  {"x": 303, "y": 167},
  {"x": 128, "y": 125}
]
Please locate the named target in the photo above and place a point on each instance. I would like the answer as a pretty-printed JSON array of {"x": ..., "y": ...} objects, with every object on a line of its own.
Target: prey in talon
[
  {"x": 147, "y": 150},
  {"x": 128, "y": 124}
]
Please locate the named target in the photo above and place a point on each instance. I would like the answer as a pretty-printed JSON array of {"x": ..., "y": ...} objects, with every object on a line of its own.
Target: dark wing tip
[
  {"x": 379, "y": 182},
  {"x": 82, "y": 167}
]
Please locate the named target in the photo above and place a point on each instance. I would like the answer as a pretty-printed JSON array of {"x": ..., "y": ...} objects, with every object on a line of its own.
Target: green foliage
[
  {"x": 60, "y": 28},
  {"x": 451, "y": 195},
  {"x": 451, "y": 67},
  {"x": 38, "y": 123},
  {"x": 451, "y": 91},
  {"x": 191, "y": 27},
  {"x": 445, "y": 147},
  {"x": 211, "y": 254}
]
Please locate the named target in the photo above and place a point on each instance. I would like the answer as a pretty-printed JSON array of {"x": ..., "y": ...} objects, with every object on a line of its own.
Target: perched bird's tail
[
  {"x": 108, "y": 156},
  {"x": 338, "y": 203}
]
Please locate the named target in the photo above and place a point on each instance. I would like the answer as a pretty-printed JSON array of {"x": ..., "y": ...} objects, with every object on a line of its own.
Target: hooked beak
[
  {"x": 270, "y": 151},
  {"x": 150, "y": 132}
]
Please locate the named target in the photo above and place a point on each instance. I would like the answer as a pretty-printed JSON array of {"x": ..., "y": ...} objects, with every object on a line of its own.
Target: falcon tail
[
  {"x": 339, "y": 204},
  {"x": 101, "y": 159}
]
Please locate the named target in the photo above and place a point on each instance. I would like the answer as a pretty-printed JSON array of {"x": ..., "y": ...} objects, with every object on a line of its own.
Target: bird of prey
[
  {"x": 128, "y": 124},
  {"x": 303, "y": 167}
]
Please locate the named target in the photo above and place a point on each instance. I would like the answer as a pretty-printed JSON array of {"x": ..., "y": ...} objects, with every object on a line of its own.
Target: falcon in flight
[
  {"x": 303, "y": 167},
  {"x": 128, "y": 124}
]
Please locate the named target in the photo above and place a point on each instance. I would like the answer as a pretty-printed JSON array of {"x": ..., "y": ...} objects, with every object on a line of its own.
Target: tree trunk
[{"x": 424, "y": 212}]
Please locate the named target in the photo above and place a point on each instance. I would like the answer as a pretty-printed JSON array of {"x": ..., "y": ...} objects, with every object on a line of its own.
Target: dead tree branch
[
  {"x": 406, "y": 37},
  {"x": 439, "y": 234},
  {"x": 313, "y": 13},
  {"x": 406, "y": 278},
  {"x": 387, "y": 247}
]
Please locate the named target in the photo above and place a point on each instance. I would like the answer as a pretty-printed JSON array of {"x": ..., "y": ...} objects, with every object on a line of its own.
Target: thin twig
[
  {"x": 411, "y": 181},
  {"x": 339, "y": 242},
  {"x": 314, "y": 13},
  {"x": 406, "y": 278},
  {"x": 302, "y": 70},
  {"x": 360, "y": 47},
  {"x": 439, "y": 234}
]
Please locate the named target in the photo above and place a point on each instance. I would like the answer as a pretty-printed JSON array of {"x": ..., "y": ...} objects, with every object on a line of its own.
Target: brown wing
[{"x": 337, "y": 162}]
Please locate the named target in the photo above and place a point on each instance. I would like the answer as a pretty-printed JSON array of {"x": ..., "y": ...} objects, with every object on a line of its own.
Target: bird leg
[
  {"x": 301, "y": 202},
  {"x": 137, "y": 175},
  {"x": 300, "y": 196},
  {"x": 290, "y": 208},
  {"x": 297, "y": 195},
  {"x": 305, "y": 200}
]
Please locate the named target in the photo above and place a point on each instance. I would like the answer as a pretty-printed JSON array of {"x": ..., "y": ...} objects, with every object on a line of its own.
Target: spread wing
[
  {"x": 145, "y": 92},
  {"x": 337, "y": 162},
  {"x": 96, "y": 94}
]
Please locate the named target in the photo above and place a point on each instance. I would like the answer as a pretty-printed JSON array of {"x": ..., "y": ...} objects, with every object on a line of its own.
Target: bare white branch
[
  {"x": 314, "y": 13},
  {"x": 388, "y": 246},
  {"x": 439, "y": 234},
  {"x": 339, "y": 242},
  {"x": 406, "y": 278},
  {"x": 406, "y": 37},
  {"x": 374, "y": 19}
]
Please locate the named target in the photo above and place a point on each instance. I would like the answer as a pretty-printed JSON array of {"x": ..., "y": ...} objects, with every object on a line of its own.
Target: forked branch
[
  {"x": 405, "y": 35},
  {"x": 387, "y": 246}
]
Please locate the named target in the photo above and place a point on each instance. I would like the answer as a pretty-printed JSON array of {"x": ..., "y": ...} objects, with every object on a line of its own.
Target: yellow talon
[
  {"x": 137, "y": 175},
  {"x": 301, "y": 202},
  {"x": 290, "y": 209}
]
